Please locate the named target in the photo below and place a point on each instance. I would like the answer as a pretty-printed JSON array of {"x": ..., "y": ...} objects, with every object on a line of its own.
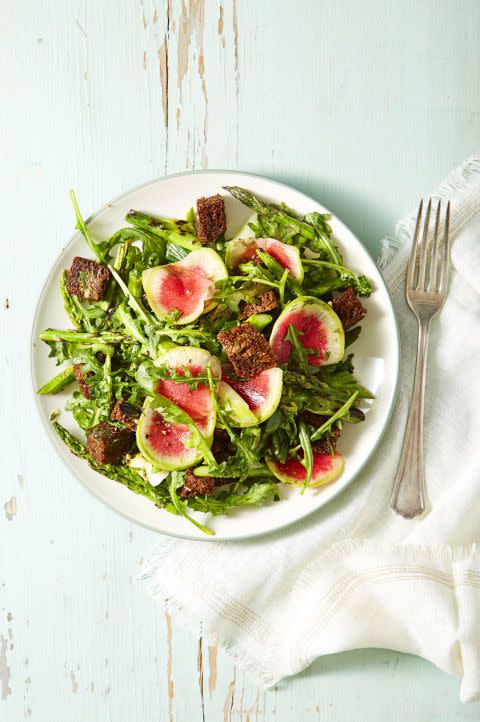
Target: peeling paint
[
  {"x": 144, "y": 59},
  {"x": 28, "y": 680},
  {"x": 74, "y": 682},
  {"x": 155, "y": 17},
  {"x": 227, "y": 707},
  {"x": 5, "y": 674},
  {"x": 192, "y": 21},
  {"x": 212, "y": 663},
  {"x": 10, "y": 508},
  {"x": 28, "y": 712},
  {"x": 221, "y": 30},
  {"x": 6, "y": 304},
  {"x": 200, "y": 675},
  {"x": 168, "y": 620},
  {"x": 9, "y": 617},
  {"x": 237, "y": 66},
  {"x": 21, "y": 481},
  {"x": 163, "y": 63}
]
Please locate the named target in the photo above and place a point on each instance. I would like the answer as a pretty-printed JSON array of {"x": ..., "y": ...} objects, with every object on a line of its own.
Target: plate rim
[{"x": 186, "y": 536}]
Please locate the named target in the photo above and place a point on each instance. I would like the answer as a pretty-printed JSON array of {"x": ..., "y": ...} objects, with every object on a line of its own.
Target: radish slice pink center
[
  {"x": 197, "y": 402},
  {"x": 182, "y": 289},
  {"x": 164, "y": 438},
  {"x": 311, "y": 334},
  {"x": 292, "y": 468},
  {"x": 254, "y": 391}
]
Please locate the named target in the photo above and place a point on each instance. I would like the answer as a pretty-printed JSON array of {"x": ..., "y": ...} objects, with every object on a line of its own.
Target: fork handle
[{"x": 408, "y": 492}]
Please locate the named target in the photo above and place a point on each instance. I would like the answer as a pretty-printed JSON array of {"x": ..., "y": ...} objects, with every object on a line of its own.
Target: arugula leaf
[
  {"x": 307, "y": 461},
  {"x": 344, "y": 279},
  {"x": 175, "y": 481},
  {"x": 257, "y": 494}
]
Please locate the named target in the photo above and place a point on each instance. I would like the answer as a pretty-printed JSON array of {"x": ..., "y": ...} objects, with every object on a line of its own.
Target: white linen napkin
[{"x": 360, "y": 575}]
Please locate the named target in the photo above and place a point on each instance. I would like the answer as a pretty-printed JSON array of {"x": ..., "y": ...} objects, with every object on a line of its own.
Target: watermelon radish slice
[
  {"x": 326, "y": 468},
  {"x": 319, "y": 329},
  {"x": 185, "y": 286},
  {"x": 262, "y": 393},
  {"x": 197, "y": 402},
  {"x": 243, "y": 250},
  {"x": 164, "y": 443},
  {"x": 238, "y": 410}
]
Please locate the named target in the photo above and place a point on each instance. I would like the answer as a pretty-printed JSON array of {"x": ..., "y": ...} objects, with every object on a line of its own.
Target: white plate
[{"x": 376, "y": 355}]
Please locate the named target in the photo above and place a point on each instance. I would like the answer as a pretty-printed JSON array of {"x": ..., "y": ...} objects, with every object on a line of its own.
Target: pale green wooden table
[{"x": 364, "y": 105}]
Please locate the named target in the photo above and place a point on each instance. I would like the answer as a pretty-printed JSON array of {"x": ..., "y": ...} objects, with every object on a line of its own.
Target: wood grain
[{"x": 365, "y": 105}]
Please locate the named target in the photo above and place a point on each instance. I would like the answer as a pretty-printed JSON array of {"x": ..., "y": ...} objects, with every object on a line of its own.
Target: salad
[{"x": 207, "y": 371}]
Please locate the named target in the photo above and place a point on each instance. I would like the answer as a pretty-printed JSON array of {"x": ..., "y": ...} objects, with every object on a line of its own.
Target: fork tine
[
  {"x": 413, "y": 254},
  {"x": 432, "y": 280},
  {"x": 423, "y": 249},
  {"x": 446, "y": 253}
]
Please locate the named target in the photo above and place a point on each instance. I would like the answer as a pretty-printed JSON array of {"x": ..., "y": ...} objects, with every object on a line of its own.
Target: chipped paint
[
  {"x": 168, "y": 620},
  {"x": 92, "y": 686},
  {"x": 5, "y": 673},
  {"x": 237, "y": 67},
  {"x": 221, "y": 30},
  {"x": 144, "y": 59},
  {"x": 163, "y": 64},
  {"x": 28, "y": 680},
  {"x": 6, "y": 304},
  {"x": 74, "y": 682},
  {"x": 10, "y": 508},
  {"x": 21, "y": 481},
  {"x": 212, "y": 664},
  {"x": 155, "y": 17},
  {"x": 130, "y": 536},
  {"x": 200, "y": 675},
  {"x": 192, "y": 22},
  {"x": 9, "y": 617},
  {"x": 227, "y": 707}
]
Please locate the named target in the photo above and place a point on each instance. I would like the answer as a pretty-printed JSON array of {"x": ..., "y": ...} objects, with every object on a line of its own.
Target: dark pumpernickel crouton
[
  {"x": 108, "y": 443},
  {"x": 200, "y": 485},
  {"x": 126, "y": 414},
  {"x": 211, "y": 221},
  {"x": 222, "y": 447},
  {"x": 348, "y": 308},
  {"x": 82, "y": 382},
  {"x": 87, "y": 279},
  {"x": 326, "y": 444},
  {"x": 267, "y": 302},
  {"x": 247, "y": 349}
]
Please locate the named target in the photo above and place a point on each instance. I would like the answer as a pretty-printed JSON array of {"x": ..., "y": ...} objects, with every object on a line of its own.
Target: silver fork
[{"x": 427, "y": 281}]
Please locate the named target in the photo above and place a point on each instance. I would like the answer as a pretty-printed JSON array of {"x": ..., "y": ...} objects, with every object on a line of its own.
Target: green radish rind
[
  {"x": 238, "y": 411},
  {"x": 327, "y": 316},
  {"x": 319, "y": 479}
]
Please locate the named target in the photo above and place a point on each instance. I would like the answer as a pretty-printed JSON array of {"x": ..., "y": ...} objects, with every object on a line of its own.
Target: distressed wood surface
[{"x": 362, "y": 104}]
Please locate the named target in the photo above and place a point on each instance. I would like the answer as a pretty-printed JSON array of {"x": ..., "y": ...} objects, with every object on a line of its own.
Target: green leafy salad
[{"x": 206, "y": 371}]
